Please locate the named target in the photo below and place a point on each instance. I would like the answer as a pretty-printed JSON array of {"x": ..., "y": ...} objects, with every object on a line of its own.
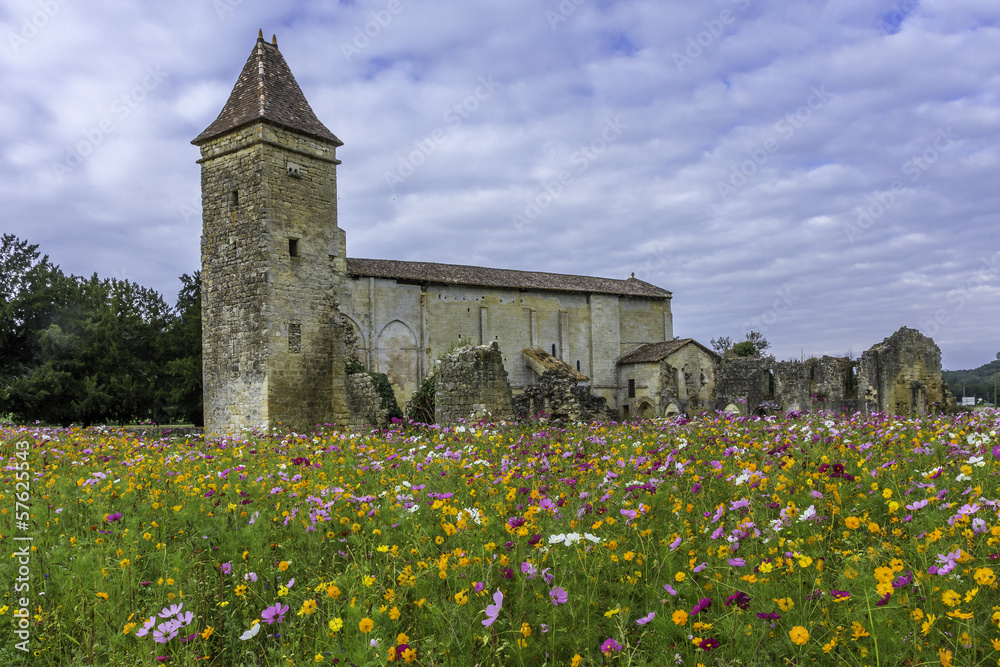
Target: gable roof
[
  {"x": 267, "y": 91},
  {"x": 654, "y": 352},
  {"x": 458, "y": 274}
]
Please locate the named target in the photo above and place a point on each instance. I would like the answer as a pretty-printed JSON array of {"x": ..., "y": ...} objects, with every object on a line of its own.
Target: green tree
[{"x": 181, "y": 390}]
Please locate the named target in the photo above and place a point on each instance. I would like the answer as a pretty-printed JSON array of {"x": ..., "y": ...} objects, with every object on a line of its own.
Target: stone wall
[
  {"x": 559, "y": 397},
  {"x": 403, "y": 328},
  {"x": 364, "y": 403},
  {"x": 471, "y": 384},
  {"x": 902, "y": 375},
  {"x": 755, "y": 385}
]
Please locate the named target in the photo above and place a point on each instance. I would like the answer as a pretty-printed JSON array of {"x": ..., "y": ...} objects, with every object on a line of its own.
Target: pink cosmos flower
[
  {"x": 558, "y": 595},
  {"x": 646, "y": 619},
  {"x": 274, "y": 614},
  {"x": 493, "y": 610}
]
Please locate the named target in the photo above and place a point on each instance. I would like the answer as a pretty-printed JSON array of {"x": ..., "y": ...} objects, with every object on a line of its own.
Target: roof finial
[
  {"x": 260, "y": 34},
  {"x": 633, "y": 275},
  {"x": 274, "y": 40}
]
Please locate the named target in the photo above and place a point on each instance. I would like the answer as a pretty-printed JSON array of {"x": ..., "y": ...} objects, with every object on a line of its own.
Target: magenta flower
[
  {"x": 558, "y": 595},
  {"x": 676, "y": 543},
  {"x": 493, "y": 610},
  {"x": 529, "y": 570},
  {"x": 646, "y": 619},
  {"x": 227, "y": 568},
  {"x": 670, "y": 589},
  {"x": 702, "y": 605},
  {"x": 479, "y": 586},
  {"x": 737, "y": 562},
  {"x": 610, "y": 645},
  {"x": 839, "y": 595},
  {"x": 274, "y": 614},
  {"x": 114, "y": 517}
]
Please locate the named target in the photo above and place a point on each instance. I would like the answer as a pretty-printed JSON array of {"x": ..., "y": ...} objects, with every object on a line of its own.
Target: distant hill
[{"x": 978, "y": 382}]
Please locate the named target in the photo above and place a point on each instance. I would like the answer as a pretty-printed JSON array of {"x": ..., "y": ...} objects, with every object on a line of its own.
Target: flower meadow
[{"x": 803, "y": 539}]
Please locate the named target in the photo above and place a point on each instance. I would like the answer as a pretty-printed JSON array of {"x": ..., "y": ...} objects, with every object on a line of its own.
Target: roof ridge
[{"x": 494, "y": 277}]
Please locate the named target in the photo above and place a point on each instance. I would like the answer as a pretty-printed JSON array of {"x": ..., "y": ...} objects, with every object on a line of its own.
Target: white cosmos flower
[{"x": 251, "y": 633}]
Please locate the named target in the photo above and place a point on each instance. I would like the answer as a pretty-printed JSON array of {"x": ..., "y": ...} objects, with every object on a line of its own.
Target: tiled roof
[
  {"x": 457, "y": 274},
  {"x": 266, "y": 90},
  {"x": 654, "y": 352}
]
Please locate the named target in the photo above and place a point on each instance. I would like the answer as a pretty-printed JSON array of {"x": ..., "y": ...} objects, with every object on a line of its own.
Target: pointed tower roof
[{"x": 267, "y": 91}]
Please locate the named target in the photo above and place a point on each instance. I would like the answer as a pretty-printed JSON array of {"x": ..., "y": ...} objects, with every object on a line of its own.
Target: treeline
[
  {"x": 980, "y": 382},
  {"x": 77, "y": 350}
]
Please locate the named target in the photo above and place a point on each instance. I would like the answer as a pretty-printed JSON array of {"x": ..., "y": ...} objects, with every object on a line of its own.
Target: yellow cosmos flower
[
  {"x": 409, "y": 655},
  {"x": 128, "y": 628},
  {"x": 858, "y": 631},
  {"x": 308, "y": 607},
  {"x": 951, "y": 598},
  {"x": 679, "y": 617},
  {"x": 785, "y": 604},
  {"x": 984, "y": 576},
  {"x": 366, "y": 624},
  {"x": 853, "y": 522},
  {"x": 799, "y": 635},
  {"x": 332, "y": 591},
  {"x": 577, "y": 659},
  {"x": 207, "y": 632},
  {"x": 525, "y": 630},
  {"x": 240, "y": 590},
  {"x": 283, "y": 565},
  {"x": 336, "y": 624},
  {"x": 394, "y": 615},
  {"x": 103, "y": 596}
]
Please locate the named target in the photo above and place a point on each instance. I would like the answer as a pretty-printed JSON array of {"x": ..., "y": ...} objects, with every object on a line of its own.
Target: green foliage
[
  {"x": 421, "y": 406},
  {"x": 182, "y": 391},
  {"x": 353, "y": 366},
  {"x": 385, "y": 393},
  {"x": 978, "y": 382},
  {"x": 754, "y": 346},
  {"x": 84, "y": 351}
]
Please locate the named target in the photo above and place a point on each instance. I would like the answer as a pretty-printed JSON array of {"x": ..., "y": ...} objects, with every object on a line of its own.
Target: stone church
[{"x": 284, "y": 307}]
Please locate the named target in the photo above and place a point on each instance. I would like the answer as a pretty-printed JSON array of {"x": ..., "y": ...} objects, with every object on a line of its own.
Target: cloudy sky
[{"x": 824, "y": 172}]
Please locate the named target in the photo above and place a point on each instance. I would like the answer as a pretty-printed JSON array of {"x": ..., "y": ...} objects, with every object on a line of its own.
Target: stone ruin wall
[
  {"x": 471, "y": 384},
  {"x": 902, "y": 375},
  {"x": 559, "y": 397}
]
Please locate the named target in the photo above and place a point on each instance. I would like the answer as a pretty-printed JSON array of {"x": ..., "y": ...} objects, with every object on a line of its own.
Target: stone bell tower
[{"x": 272, "y": 256}]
